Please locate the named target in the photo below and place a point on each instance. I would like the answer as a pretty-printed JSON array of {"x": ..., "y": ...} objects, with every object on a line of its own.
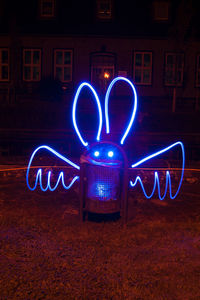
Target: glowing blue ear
[
  {"x": 82, "y": 85},
  {"x": 134, "y": 106}
]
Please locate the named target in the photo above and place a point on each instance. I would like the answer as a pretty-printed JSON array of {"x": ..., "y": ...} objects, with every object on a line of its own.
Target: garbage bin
[{"x": 103, "y": 180}]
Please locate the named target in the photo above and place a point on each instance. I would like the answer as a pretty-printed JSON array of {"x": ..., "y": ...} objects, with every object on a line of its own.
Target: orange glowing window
[{"x": 102, "y": 69}]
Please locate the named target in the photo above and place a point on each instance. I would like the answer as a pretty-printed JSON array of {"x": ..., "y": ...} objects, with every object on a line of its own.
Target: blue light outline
[
  {"x": 156, "y": 177},
  {"x": 39, "y": 173},
  {"x": 134, "y": 107},
  {"x": 138, "y": 179},
  {"x": 82, "y": 85}
]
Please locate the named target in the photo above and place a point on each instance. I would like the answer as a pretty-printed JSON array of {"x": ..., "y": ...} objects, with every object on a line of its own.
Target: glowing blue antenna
[
  {"x": 134, "y": 106},
  {"x": 74, "y": 112}
]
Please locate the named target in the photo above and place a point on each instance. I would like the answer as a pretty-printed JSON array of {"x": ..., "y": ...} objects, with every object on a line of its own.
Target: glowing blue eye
[
  {"x": 96, "y": 153},
  {"x": 110, "y": 153}
]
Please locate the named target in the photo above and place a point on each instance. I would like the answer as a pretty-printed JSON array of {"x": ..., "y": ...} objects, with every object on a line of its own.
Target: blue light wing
[
  {"x": 157, "y": 182},
  {"x": 39, "y": 175}
]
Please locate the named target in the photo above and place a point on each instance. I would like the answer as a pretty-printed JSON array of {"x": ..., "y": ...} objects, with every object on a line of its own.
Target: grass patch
[{"x": 46, "y": 253}]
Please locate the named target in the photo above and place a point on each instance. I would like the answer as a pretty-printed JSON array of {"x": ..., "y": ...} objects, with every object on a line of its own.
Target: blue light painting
[{"x": 105, "y": 188}]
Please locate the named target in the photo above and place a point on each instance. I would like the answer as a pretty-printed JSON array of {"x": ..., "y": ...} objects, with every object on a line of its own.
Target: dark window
[
  {"x": 198, "y": 71},
  {"x": 4, "y": 64},
  {"x": 142, "y": 68},
  {"x": 161, "y": 10},
  {"x": 174, "y": 65},
  {"x": 31, "y": 64},
  {"x": 47, "y": 8},
  {"x": 104, "y": 9},
  {"x": 63, "y": 65}
]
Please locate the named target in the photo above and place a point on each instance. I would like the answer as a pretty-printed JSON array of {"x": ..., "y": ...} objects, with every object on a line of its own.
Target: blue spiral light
[{"x": 156, "y": 177}]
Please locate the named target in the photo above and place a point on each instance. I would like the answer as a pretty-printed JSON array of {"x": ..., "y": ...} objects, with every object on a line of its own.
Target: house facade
[{"x": 48, "y": 47}]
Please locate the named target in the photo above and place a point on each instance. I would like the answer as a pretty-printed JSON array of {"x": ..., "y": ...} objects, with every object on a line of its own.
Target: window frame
[
  {"x": 142, "y": 67},
  {"x": 31, "y": 65},
  {"x": 197, "y": 68},
  {"x": 102, "y": 16},
  {"x": 160, "y": 19},
  {"x": 47, "y": 16},
  {"x": 63, "y": 50},
  {"x": 175, "y": 68},
  {"x": 4, "y": 64}
]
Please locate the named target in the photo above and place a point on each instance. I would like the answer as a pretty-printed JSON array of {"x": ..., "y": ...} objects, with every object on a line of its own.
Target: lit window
[
  {"x": 104, "y": 9},
  {"x": 161, "y": 10},
  {"x": 198, "y": 71},
  {"x": 4, "y": 64},
  {"x": 142, "y": 71},
  {"x": 47, "y": 8},
  {"x": 174, "y": 65},
  {"x": 102, "y": 70},
  {"x": 31, "y": 64},
  {"x": 63, "y": 65}
]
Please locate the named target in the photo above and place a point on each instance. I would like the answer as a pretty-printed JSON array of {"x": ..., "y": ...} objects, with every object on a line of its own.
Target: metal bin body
[{"x": 103, "y": 181}]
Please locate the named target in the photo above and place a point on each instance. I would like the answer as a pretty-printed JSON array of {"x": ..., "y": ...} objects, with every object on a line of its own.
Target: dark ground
[{"x": 46, "y": 253}]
